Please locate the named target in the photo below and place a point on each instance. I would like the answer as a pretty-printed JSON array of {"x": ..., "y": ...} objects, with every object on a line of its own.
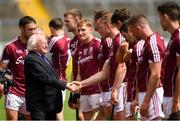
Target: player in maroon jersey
[
  {"x": 13, "y": 57},
  {"x": 111, "y": 67},
  {"x": 169, "y": 13},
  {"x": 131, "y": 58},
  {"x": 105, "y": 46},
  {"x": 58, "y": 46},
  {"x": 131, "y": 67},
  {"x": 71, "y": 18},
  {"x": 149, "y": 68},
  {"x": 88, "y": 51}
]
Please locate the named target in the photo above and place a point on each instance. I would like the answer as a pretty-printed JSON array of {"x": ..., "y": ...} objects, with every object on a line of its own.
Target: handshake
[{"x": 74, "y": 86}]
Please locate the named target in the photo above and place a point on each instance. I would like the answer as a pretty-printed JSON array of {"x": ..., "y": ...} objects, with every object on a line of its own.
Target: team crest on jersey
[
  {"x": 85, "y": 51},
  {"x": 90, "y": 50},
  {"x": 80, "y": 52}
]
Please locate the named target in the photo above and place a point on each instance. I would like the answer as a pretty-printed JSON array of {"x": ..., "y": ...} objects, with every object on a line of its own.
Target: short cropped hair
[
  {"x": 100, "y": 13},
  {"x": 120, "y": 15},
  {"x": 74, "y": 12},
  {"x": 56, "y": 23},
  {"x": 33, "y": 40},
  {"x": 83, "y": 21},
  {"x": 139, "y": 19},
  {"x": 172, "y": 9},
  {"x": 26, "y": 20}
]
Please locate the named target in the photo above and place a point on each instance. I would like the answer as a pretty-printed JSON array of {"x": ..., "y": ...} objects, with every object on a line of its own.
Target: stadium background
[{"x": 44, "y": 10}]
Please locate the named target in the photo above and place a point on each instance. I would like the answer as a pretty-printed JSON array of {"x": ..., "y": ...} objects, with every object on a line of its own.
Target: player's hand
[
  {"x": 144, "y": 109},
  {"x": 72, "y": 87},
  {"x": 175, "y": 106},
  {"x": 73, "y": 101},
  {"x": 124, "y": 47},
  {"x": 133, "y": 105},
  {"x": 114, "y": 96},
  {"x": 78, "y": 84}
]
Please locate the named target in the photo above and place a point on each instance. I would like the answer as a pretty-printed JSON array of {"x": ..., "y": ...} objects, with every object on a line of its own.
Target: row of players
[{"x": 95, "y": 61}]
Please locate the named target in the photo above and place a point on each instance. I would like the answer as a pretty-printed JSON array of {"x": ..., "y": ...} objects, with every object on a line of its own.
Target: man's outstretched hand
[{"x": 74, "y": 86}]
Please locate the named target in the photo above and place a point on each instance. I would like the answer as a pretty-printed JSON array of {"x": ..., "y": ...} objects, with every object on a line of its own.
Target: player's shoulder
[
  {"x": 96, "y": 39},
  {"x": 176, "y": 35},
  {"x": 155, "y": 39},
  {"x": 67, "y": 37},
  {"x": 11, "y": 43}
]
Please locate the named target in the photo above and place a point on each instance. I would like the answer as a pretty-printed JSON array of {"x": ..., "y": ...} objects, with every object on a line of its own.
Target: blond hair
[{"x": 83, "y": 21}]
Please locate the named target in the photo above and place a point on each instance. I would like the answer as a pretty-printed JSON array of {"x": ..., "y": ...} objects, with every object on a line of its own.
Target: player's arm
[
  {"x": 176, "y": 99},
  {"x": 155, "y": 73},
  {"x": 120, "y": 74},
  {"x": 119, "y": 77},
  {"x": 98, "y": 77},
  {"x": 154, "y": 79}
]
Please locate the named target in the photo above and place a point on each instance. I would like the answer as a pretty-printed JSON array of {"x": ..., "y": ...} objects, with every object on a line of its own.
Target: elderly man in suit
[{"x": 43, "y": 88}]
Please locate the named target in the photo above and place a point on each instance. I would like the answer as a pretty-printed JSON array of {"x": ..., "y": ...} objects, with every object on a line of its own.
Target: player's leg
[
  {"x": 89, "y": 105},
  {"x": 11, "y": 106},
  {"x": 106, "y": 104}
]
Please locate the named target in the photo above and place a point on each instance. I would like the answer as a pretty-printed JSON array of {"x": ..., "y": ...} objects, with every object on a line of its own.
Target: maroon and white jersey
[
  {"x": 14, "y": 54},
  {"x": 113, "y": 64},
  {"x": 88, "y": 63},
  {"x": 103, "y": 56},
  {"x": 59, "y": 47},
  {"x": 152, "y": 52},
  {"x": 131, "y": 70},
  {"x": 169, "y": 63},
  {"x": 74, "y": 44}
]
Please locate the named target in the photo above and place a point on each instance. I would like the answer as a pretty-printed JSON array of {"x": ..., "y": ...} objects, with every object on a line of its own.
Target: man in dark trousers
[{"x": 43, "y": 88}]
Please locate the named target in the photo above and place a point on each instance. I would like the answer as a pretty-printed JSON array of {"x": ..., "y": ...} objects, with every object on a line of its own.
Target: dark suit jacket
[{"x": 43, "y": 88}]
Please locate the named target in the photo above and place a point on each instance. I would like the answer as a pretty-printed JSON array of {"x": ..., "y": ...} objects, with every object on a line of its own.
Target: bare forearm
[
  {"x": 120, "y": 74},
  {"x": 152, "y": 86},
  {"x": 98, "y": 77}
]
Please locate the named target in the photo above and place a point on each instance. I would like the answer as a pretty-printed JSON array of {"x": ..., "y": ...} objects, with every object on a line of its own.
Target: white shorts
[
  {"x": 167, "y": 105},
  {"x": 121, "y": 98},
  {"x": 155, "y": 109},
  {"x": 128, "y": 109},
  {"x": 16, "y": 103},
  {"x": 106, "y": 96},
  {"x": 90, "y": 102}
]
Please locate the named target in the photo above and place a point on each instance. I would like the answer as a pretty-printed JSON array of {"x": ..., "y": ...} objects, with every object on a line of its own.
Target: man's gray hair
[{"x": 32, "y": 41}]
